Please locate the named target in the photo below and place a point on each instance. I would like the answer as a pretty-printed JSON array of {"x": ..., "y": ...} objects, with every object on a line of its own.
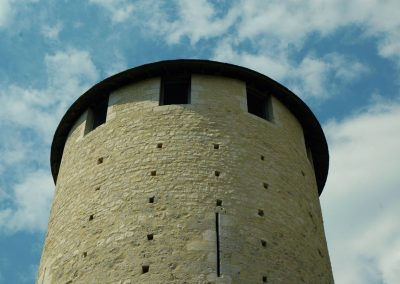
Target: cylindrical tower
[{"x": 187, "y": 171}]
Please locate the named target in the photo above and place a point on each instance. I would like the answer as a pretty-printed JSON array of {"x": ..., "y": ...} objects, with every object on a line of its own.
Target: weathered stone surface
[{"x": 101, "y": 213}]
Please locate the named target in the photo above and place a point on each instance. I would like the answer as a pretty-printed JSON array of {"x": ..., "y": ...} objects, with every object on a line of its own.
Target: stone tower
[{"x": 187, "y": 171}]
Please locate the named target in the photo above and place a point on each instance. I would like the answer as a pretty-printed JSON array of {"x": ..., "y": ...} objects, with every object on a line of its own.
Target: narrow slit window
[
  {"x": 175, "y": 90},
  {"x": 217, "y": 231},
  {"x": 259, "y": 104}
]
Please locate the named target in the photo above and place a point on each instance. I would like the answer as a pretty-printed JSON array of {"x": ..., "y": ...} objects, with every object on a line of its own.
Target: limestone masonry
[{"x": 187, "y": 171}]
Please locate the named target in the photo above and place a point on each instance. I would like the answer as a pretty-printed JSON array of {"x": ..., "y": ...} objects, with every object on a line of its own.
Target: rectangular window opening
[
  {"x": 100, "y": 113},
  {"x": 175, "y": 90},
  {"x": 259, "y": 104}
]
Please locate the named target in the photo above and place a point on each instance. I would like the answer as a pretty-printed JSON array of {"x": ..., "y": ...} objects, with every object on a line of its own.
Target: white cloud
[
  {"x": 276, "y": 66},
  {"x": 320, "y": 77},
  {"x": 70, "y": 68},
  {"x": 120, "y": 10},
  {"x": 360, "y": 201},
  {"x": 29, "y": 117},
  {"x": 345, "y": 68},
  {"x": 8, "y": 9},
  {"x": 13, "y": 151},
  {"x": 5, "y": 10},
  {"x": 4, "y": 195},
  {"x": 390, "y": 47},
  {"x": 32, "y": 199},
  {"x": 197, "y": 20},
  {"x": 51, "y": 32},
  {"x": 118, "y": 64},
  {"x": 69, "y": 74},
  {"x": 311, "y": 78}
]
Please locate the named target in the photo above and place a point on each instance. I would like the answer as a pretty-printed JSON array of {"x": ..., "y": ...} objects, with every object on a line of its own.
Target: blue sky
[{"x": 341, "y": 57}]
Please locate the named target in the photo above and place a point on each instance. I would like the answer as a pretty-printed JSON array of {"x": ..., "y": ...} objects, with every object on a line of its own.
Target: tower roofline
[{"x": 313, "y": 132}]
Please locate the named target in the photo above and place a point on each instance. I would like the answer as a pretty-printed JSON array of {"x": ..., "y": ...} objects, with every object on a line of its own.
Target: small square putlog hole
[
  {"x": 264, "y": 279},
  {"x": 219, "y": 202},
  {"x": 264, "y": 243},
  {"x": 159, "y": 145},
  {"x": 265, "y": 185},
  {"x": 145, "y": 269},
  {"x": 153, "y": 173},
  {"x": 151, "y": 199},
  {"x": 262, "y": 158},
  {"x": 260, "y": 212},
  {"x": 100, "y": 160},
  {"x": 217, "y": 173},
  {"x": 91, "y": 217},
  {"x": 216, "y": 146},
  {"x": 97, "y": 188},
  {"x": 150, "y": 237},
  {"x": 84, "y": 254}
]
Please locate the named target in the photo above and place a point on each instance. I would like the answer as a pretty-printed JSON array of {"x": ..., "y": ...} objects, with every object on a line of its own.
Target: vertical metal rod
[{"x": 218, "y": 254}]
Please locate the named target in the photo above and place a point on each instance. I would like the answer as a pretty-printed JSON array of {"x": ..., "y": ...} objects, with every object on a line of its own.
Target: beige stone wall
[{"x": 101, "y": 214}]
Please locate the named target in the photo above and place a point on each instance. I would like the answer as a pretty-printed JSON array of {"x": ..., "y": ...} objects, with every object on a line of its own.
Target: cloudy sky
[{"x": 341, "y": 57}]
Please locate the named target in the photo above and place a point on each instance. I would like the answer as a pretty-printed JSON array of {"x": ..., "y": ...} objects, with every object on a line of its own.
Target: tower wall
[{"x": 101, "y": 215}]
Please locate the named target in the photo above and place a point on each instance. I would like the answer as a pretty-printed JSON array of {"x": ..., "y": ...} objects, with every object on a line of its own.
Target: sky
[{"x": 341, "y": 57}]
